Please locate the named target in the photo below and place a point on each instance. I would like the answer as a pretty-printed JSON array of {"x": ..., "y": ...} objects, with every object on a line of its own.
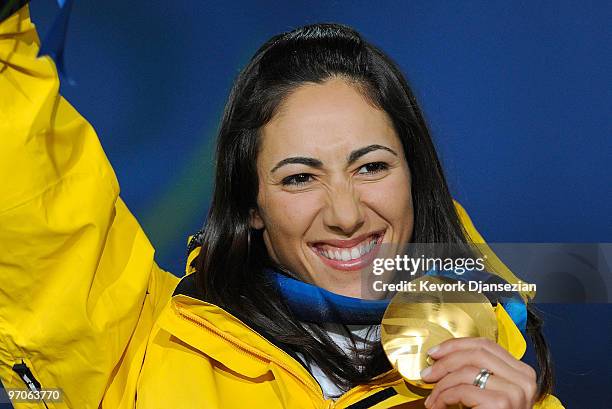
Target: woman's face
[{"x": 334, "y": 185}]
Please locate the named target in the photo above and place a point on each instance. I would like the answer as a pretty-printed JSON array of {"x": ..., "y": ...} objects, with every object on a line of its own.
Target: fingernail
[
  {"x": 427, "y": 401},
  {"x": 425, "y": 372},
  {"x": 433, "y": 350}
]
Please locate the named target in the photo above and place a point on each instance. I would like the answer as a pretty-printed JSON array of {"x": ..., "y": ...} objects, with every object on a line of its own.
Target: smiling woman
[{"x": 323, "y": 157}]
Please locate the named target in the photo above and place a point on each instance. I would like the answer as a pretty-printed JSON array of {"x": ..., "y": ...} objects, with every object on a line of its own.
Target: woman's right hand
[{"x": 75, "y": 266}]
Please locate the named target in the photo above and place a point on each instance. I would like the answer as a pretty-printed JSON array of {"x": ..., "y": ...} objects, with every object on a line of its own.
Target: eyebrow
[
  {"x": 356, "y": 154},
  {"x": 312, "y": 162},
  {"x": 316, "y": 163}
]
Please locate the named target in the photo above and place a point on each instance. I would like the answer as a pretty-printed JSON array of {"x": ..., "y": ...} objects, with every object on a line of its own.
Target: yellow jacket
[{"x": 82, "y": 303}]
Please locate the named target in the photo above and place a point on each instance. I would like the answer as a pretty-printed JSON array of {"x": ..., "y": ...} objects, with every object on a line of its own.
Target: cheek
[
  {"x": 289, "y": 216},
  {"x": 391, "y": 198}
]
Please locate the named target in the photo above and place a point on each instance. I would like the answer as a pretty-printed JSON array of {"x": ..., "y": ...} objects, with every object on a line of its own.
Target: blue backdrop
[{"x": 518, "y": 97}]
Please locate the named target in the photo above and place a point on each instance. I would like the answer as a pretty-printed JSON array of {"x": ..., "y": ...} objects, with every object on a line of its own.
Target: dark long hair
[{"x": 230, "y": 268}]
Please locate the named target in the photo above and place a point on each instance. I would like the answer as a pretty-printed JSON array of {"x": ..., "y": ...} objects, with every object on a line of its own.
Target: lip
[{"x": 355, "y": 264}]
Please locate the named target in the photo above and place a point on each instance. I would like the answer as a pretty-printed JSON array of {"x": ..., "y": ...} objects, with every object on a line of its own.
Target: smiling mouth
[{"x": 350, "y": 254}]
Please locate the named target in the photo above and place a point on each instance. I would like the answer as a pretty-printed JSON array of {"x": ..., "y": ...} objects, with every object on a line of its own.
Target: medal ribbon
[{"x": 311, "y": 303}]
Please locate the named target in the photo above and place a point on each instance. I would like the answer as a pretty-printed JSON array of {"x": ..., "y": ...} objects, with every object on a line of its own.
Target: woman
[{"x": 323, "y": 156}]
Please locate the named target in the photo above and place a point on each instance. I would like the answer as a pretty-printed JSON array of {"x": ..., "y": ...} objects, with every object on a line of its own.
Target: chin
[{"x": 349, "y": 289}]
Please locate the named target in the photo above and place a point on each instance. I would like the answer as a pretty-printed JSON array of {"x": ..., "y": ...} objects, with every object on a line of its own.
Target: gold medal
[{"x": 415, "y": 321}]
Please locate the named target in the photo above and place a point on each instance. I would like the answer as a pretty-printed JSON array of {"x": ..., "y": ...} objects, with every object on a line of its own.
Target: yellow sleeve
[
  {"x": 549, "y": 402},
  {"x": 78, "y": 285}
]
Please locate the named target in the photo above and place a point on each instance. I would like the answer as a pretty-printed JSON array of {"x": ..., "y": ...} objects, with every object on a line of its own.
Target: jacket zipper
[
  {"x": 243, "y": 348},
  {"x": 28, "y": 378}
]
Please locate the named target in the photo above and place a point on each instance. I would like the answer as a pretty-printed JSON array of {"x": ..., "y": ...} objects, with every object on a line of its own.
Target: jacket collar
[
  {"x": 225, "y": 338},
  {"x": 187, "y": 288},
  {"x": 509, "y": 335},
  {"x": 187, "y": 299}
]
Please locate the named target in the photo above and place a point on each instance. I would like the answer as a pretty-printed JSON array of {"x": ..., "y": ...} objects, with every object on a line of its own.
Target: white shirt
[{"x": 362, "y": 334}]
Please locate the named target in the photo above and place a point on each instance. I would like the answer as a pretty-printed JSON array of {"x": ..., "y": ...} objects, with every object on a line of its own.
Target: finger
[
  {"x": 478, "y": 358},
  {"x": 526, "y": 377},
  {"x": 474, "y": 398},
  {"x": 459, "y": 344},
  {"x": 466, "y": 376}
]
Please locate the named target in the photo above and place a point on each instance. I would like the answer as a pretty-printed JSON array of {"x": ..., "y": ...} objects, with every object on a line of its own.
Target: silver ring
[{"x": 482, "y": 378}]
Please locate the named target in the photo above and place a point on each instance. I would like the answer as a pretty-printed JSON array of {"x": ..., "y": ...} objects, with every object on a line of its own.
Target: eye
[
  {"x": 372, "y": 168},
  {"x": 297, "y": 180}
]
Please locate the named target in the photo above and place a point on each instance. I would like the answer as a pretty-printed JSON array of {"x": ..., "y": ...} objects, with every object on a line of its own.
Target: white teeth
[
  {"x": 346, "y": 255},
  {"x": 363, "y": 249},
  {"x": 349, "y": 254}
]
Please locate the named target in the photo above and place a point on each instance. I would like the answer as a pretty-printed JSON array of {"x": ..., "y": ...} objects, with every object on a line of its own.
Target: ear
[{"x": 255, "y": 220}]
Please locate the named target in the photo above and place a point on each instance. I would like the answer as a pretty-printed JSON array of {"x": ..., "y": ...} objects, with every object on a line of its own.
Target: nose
[{"x": 344, "y": 213}]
